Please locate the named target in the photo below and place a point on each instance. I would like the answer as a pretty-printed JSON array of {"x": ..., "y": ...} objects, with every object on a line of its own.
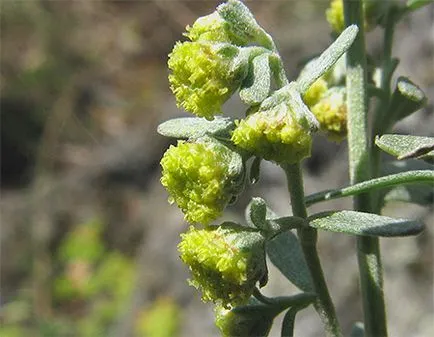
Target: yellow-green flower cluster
[
  {"x": 204, "y": 76},
  {"x": 225, "y": 263},
  {"x": 274, "y": 135},
  {"x": 331, "y": 113},
  {"x": 315, "y": 92},
  {"x": 213, "y": 28},
  {"x": 335, "y": 15},
  {"x": 327, "y": 101},
  {"x": 199, "y": 178},
  {"x": 372, "y": 10}
]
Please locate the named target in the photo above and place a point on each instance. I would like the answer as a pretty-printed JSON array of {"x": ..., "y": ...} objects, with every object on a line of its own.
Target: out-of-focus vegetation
[
  {"x": 88, "y": 240},
  {"x": 91, "y": 288}
]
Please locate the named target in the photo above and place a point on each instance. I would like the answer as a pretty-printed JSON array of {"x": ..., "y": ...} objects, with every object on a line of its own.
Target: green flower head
[
  {"x": 335, "y": 15},
  {"x": 201, "y": 178},
  {"x": 225, "y": 262},
  {"x": 372, "y": 12},
  {"x": 274, "y": 135},
  {"x": 214, "y": 28},
  {"x": 244, "y": 321},
  {"x": 331, "y": 113},
  {"x": 205, "y": 75},
  {"x": 315, "y": 92}
]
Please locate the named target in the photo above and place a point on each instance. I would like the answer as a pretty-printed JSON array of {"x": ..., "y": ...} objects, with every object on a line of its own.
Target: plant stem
[
  {"x": 381, "y": 122},
  {"x": 308, "y": 238},
  {"x": 368, "y": 248}
]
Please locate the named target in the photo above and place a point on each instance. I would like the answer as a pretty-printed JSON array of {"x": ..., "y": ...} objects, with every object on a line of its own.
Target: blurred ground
[{"x": 88, "y": 239}]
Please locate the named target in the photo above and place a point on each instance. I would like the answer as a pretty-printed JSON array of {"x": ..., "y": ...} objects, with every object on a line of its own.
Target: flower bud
[
  {"x": 331, "y": 113},
  {"x": 204, "y": 76},
  {"x": 315, "y": 92},
  {"x": 373, "y": 10},
  {"x": 275, "y": 135},
  {"x": 225, "y": 262},
  {"x": 214, "y": 28},
  {"x": 244, "y": 321},
  {"x": 335, "y": 15},
  {"x": 201, "y": 178}
]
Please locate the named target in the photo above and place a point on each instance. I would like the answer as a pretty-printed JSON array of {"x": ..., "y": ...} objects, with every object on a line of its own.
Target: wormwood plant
[{"x": 215, "y": 158}]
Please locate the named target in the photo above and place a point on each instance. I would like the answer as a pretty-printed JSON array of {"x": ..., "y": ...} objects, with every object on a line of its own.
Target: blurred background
[{"x": 88, "y": 240}]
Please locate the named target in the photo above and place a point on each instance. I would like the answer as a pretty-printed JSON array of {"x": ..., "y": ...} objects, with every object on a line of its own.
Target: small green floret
[
  {"x": 372, "y": 11},
  {"x": 204, "y": 76},
  {"x": 232, "y": 324},
  {"x": 274, "y": 135},
  {"x": 331, "y": 113},
  {"x": 214, "y": 29},
  {"x": 244, "y": 321},
  {"x": 315, "y": 92},
  {"x": 199, "y": 178},
  {"x": 225, "y": 263},
  {"x": 335, "y": 15}
]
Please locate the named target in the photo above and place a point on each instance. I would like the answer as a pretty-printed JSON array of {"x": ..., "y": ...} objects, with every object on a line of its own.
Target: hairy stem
[
  {"x": 368, "y": 248},
  {"x": 308, "y": 238}
]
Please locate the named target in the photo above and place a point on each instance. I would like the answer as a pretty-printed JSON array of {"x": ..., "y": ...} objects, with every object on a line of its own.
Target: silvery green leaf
[
  {"x": 416, "y": 4},
  {"x": 420, "y": 194},
  {"x": 406, "y": 99},
  {"x": 194, "y": 127},
  {"x": 327, "y": 59},
  {"x": 404, "y": 146},
  {"x": 256, "y": 212},
  {"x": 243, "y": 23},
  {"x": 301, "y": 110},
  {"x": 256, "y": 86},
  {"x": 285, "y": 253},
  {"x": 278, "y": 225},
  {"x": 366, "y": 224}
]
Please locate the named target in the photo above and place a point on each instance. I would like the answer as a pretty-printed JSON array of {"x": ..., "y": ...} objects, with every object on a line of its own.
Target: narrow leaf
[
  {"x": 404, "y": 146},
  {"x": 301, "y": 110},
  {"x": 288, "y": 323},
  {"x": 421, "y": 194},
  {"x": 256, "y": 212},
  {"x": 193, "y": 127},
  {"x": 278, "y": 225},
  {"x": 407, "y": 98},
  {"x": 367, "y": 224},
  {"x": 256, "y": 87},
  {"x": 285, "y": 253},
  {"x": 411, "y": 177},
  {"x": 328, "y": 58},
  {"x": 416, "y": 4}
]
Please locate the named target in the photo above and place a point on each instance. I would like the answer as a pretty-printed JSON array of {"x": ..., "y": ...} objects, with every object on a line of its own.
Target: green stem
[
  {"x": 410, "y": 177},
  {"x": 308, "y": 238},
  {"x": 382, "y": 122},
  {"x": 368, "y": 248}
]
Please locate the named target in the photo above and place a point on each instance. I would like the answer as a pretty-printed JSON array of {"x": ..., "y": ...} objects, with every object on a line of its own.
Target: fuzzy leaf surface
[
  {"x": 420, "y": 194},
  {"x": 194, "y": 127},
  {"x": 365, "y": 224},
  {"x": 256, "y": 87},
  {"x": 285, "y": 253},
  {"x": 404, "y": 146}
]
